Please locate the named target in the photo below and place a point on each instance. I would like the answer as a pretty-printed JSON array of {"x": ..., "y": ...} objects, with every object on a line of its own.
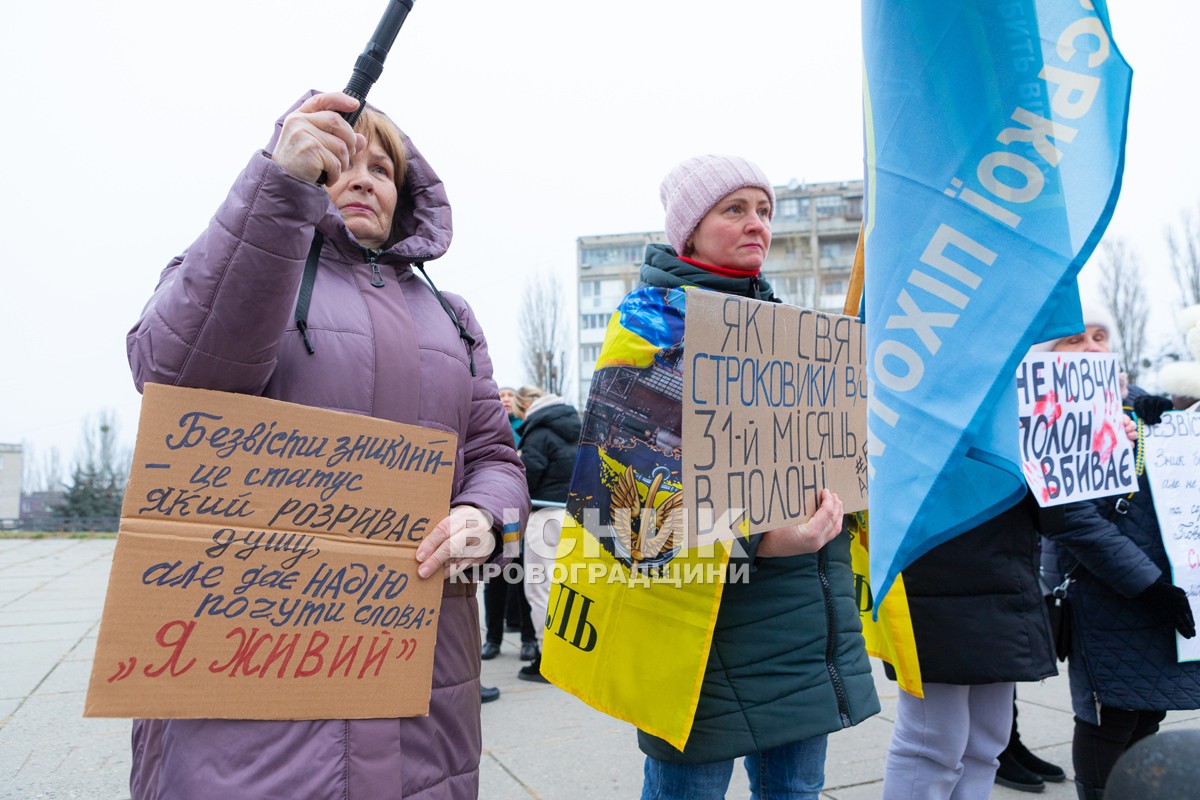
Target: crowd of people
[{"x": 309, "y": 285}]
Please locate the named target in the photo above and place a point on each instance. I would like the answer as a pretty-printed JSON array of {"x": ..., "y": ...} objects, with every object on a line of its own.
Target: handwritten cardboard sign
[
  {"x": 774, "y": 410},
  {"x": 1173, "y": 467},
  {"x": 1072, "y": 429},
  {"x": 265, "y": 567}
]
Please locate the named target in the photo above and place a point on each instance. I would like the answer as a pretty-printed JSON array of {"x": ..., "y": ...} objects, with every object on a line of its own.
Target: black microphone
[{"x": 369, "y": 65}]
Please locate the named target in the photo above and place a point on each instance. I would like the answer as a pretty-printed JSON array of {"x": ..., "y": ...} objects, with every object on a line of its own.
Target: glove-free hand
[
  {"x": 459, "y": 541},
  {"x": 807, "y": 537},
  {"x": 1172, "y": 604}
]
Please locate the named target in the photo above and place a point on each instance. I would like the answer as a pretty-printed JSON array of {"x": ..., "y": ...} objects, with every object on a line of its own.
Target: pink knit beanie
[{"x": 695, "y": 186}]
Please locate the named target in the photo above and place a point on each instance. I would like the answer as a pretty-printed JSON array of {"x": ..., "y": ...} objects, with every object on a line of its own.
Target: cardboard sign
[
  {"x": 774, "y": 410},
  {"x": 1072, "y": 429},
  {"x": 265, "y": 568},
  {"x": 1173, "y": 466}
]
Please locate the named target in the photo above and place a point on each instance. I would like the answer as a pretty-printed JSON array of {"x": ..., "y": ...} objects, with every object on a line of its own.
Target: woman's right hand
[{"x": 315, "y": 138}]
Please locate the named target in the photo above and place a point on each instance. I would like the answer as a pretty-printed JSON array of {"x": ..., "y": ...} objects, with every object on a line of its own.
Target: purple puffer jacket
[{"x": 223, "y": 318}]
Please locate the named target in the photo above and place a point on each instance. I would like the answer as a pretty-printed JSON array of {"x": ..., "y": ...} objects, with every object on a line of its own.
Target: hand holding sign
[
  {"x": 461, "y": 540},
  {"x": 806, "y": 537}
]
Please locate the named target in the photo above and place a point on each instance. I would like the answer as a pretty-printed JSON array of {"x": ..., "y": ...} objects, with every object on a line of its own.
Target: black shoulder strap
[
  {"x": 463, "y": 333},
  {"x": 306, "y": 289}
]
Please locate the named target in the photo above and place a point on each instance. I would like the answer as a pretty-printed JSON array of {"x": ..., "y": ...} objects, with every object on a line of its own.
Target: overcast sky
[{"x": 546, "y": 119}]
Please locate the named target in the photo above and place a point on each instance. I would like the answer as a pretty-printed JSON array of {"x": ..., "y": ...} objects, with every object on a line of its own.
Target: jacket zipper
[
  {"x": 373, "y": 260},
  {"x": 839, "y": 688}
]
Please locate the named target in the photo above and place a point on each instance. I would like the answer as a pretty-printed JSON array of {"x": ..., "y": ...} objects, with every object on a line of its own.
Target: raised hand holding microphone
[
  {"x": 369, "y": 65},
  {"x": 316, "y": 140}
]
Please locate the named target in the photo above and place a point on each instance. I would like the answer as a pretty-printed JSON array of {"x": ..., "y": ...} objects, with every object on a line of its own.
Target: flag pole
[{"x": 855, "y": 289}]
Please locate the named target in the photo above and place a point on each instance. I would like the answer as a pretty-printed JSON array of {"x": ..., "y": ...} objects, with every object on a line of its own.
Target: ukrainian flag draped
[
  {"x": 995, "y": 136},
  {"x": 627, "y": 634}
]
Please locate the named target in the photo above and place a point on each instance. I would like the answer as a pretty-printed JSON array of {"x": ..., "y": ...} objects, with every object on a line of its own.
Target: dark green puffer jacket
[{"x": 787, "y": 661}]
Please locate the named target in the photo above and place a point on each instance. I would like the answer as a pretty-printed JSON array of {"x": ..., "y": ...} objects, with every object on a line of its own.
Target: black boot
[
  {"x": 1014, "y": 776},
  {"x": 1051, "y": 773},
  {"x": 532, "y": 672},
  {"x": 1087, "y": 791}
]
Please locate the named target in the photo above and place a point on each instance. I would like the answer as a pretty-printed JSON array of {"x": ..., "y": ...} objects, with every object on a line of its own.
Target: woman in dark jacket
[
  {"x": 1124, "y": 671},
  {"x": 378, "y": 341},
  {"x": 549, "y": 439}
]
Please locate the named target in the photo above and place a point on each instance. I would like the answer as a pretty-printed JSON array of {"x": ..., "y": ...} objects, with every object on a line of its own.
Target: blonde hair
[
  {"x": 526, "y": 396},
  {"x": 377, "y": 127}
]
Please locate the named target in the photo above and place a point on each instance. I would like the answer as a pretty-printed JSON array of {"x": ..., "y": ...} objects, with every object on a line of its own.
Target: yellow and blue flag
[
  {"x": 631, "y": 612},
  {"x": 995, "y": 136}
]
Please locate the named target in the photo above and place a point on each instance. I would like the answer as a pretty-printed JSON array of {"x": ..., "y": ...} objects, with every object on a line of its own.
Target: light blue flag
[{"x": 995, "y": 137}]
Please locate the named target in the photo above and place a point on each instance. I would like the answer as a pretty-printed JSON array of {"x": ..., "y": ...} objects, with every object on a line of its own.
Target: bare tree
[
  {"x": 1124, "y": 295},
  {"x": 1184, "y": 246},
  {"x": 41, "y": 470},
  {"x": 544, "y": 336},
  {"x": 100, "y": 472}
]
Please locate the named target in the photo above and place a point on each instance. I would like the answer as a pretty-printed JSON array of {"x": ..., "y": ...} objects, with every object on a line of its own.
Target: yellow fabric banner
[
  {"x": 633, "y": 645},
  {"x": 631, "y": 614},
  {"x": 891, "y": 636}
]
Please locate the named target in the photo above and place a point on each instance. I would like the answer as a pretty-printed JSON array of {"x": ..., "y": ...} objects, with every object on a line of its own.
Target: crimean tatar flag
[{"x": 994, "y": 137}]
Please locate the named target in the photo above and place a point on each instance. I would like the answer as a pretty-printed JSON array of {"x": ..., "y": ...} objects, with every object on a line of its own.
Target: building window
[
  {"x": 831, "y": 206},
  {"x": 612, "y": 288},
  {"x": 600, "y": 295},
  {"x": 589, "y": 353},
  {"x": 854, "y": 208},
  {"x": 594, "y": 321},
  {"x": 831, "y": 249},
  {"x": 836, "y": 286},
  {"x": 789, "y": 208},
  {"x": 611, "y": 256},
  {"x": 796, "y": 290}
]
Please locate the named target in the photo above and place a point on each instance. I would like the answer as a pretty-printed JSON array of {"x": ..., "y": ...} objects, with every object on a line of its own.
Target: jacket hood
[
  {"x": 422, "y": 208},
  {"x": 542, "y": 402},
  {"x": 558, "y": 416}
]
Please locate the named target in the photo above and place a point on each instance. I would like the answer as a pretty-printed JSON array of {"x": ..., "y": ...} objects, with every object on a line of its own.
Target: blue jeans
[{"x": 794, "y": 771}]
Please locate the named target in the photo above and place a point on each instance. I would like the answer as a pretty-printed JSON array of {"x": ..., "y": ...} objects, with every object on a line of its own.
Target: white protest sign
[
  {"x": 1173, "y": 466},
  {"x": 1072, "y": 429}
]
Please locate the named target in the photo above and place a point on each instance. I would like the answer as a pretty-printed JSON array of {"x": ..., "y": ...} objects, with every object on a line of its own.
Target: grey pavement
[{"x": 538, "y": 742}]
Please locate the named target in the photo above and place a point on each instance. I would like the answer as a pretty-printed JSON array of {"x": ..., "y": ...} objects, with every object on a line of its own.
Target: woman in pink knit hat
[{"x": 787, "y": 664}]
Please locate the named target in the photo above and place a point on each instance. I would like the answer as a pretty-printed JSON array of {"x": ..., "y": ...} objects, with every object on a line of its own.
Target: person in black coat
[
  {"x": 980, "y": 625},
  {"x": 549, "y": 439}
]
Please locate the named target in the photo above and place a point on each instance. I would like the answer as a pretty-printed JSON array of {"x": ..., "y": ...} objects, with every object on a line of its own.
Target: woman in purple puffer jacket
[{"x": 306, "y": 293}]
